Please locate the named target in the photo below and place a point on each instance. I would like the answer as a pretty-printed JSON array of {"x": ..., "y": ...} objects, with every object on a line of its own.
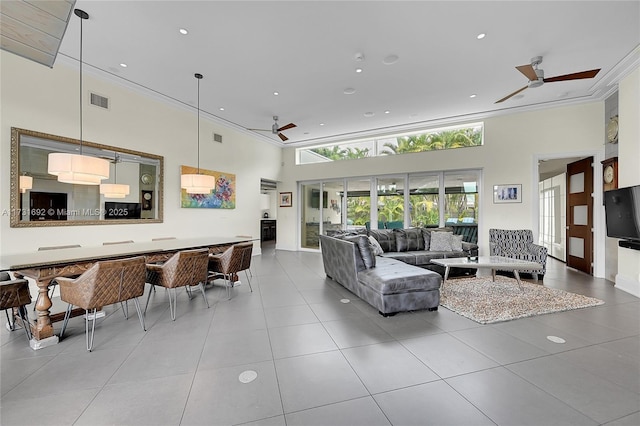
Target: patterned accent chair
[{"x": 518, "y": 244}]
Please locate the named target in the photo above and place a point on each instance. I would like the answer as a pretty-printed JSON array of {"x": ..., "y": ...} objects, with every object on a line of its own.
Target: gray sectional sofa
[
  {"x": 413, "y": 246},
  {"x": 388, "y": 284}
]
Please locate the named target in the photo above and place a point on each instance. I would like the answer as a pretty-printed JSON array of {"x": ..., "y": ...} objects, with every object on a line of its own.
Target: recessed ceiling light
[
  {"x": 322, "y": 124},
  {"x": 123, "y": 65},
  {"x": 221, "y": 108},
  {"x": 358, "y": 70},
  {"x": 369, "y": 114},
  {"x": 473, "y": 95},
  {"x": 390, "y": 59},
  {"x": 276, "y": 93},
  {"x": 481, "y": 36},
  {"x": 183, "y": 31},
  {"x": 387, "y": 112},
  {"x": 349, "y": 91}
]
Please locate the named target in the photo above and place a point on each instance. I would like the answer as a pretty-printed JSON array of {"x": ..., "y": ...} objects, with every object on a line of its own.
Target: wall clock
[
  {"x": 146, "y": 178},
  {"x": 612, "y": 130},
  {"x": 610, "y": 174}
]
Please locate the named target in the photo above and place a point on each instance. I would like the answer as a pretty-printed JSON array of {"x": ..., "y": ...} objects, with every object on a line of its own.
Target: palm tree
[{"x": 445, "y": 139}]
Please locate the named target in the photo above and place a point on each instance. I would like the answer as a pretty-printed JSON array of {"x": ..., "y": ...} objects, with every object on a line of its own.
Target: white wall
[
  {"x": 628, "y": 277},
  {"x": 37, "y": 98},
  {"x": 512, "y": 144}
]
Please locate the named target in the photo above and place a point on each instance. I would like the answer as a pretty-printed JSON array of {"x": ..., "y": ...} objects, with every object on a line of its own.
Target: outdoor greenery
[
  {"x": 436, "y": 140},
  {"x": 423, "y": 207}
]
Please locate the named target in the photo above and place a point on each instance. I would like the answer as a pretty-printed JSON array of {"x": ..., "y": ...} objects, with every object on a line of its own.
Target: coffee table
[{"x": 492, "y": 262}]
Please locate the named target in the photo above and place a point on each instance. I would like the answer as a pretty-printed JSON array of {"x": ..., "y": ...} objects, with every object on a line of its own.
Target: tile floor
[{"x": 323, "y": 362}]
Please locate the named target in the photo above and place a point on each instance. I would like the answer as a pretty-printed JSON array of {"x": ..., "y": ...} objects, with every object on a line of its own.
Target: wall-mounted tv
[
  {"x": 114, "y": 210},
  {"x": 315, "y": 199},
  {"x": 622, "y": 209}
]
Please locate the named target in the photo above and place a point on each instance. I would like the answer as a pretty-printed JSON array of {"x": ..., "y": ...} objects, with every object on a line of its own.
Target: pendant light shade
[
  {"x": 26, "y": 182},
  {"x": 77, "y": 168},
  {"x": 197, "y": 183},
  {"x": 115, "y": 189}
]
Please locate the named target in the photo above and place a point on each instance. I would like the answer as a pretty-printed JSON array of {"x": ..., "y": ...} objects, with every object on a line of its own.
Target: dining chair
[
  {"x": 52, "y": 285},
  {"x": 235, "y": 259},
  {"x": 105, "y": 283},
  {"x": 186, "y": 268},
  {"x": 15, "y": 294}
]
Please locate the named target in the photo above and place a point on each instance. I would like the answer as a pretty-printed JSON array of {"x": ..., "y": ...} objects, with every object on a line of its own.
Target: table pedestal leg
[
  {"x": 43, "y": 327},
  {"x": 446, "y": 273}
]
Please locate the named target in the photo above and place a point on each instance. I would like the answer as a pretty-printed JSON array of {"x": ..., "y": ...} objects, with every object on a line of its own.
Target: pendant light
[
  {"x": 115, "y": 189},
  {"x": 77, "y": 168},
  {"x": 26, "y": 182},
  {"x": 198, "y": 183}
]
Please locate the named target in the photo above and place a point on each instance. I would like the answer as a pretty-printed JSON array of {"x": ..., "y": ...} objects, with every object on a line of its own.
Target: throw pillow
[
  {"x": 364, "y": 249},
  {"x": 426, "y": 234},
  {"x": 440, "y": 241},
  {"x": 375, "y": 245},
  {"x": 456, "y": 243}
]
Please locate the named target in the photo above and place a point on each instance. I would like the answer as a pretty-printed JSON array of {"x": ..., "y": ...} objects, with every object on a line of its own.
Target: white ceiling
[{"x": 306, "y": 51}]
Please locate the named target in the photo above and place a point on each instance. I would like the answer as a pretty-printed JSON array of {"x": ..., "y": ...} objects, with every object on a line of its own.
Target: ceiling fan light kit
[
  {"x": 536, "y": 76},
  {"x": 277, "y": 130}
]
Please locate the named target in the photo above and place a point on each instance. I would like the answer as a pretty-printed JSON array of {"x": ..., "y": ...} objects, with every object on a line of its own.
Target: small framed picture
[
  {"x": 511, "y": 193},
  {"x": 286, "y": 199}
]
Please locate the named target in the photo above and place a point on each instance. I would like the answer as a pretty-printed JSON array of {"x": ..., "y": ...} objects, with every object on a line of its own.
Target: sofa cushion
[
  {"x": 426, "y": 234},
  {"x": 396, "y": 277},
  {"x": 440, "y": 241},
  {"x": 375, "y": 246},
  {"x": 403, "y": 256},
  {"x": 364, "y": 249},
  {"x": 409, "y": 239},
  {"x": 456, "y": 242},
  {"x": 423, "y": 257},
  {"x": 386, "y": 238}
]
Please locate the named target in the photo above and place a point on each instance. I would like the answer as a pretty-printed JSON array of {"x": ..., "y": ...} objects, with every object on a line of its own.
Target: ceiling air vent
[
  {"x": 217, "y": 138},
  {"x": 99, "y": 101}
]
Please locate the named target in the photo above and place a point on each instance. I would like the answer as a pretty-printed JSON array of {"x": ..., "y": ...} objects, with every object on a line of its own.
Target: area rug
[{"x": 486, "y": 302}]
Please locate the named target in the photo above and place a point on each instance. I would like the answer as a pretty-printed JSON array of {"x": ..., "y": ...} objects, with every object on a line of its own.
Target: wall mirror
[{"x": 43, "y": 201}]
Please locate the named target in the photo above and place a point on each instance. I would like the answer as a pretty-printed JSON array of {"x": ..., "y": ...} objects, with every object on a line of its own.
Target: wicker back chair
[
  {"x": 228, "y": 263},
  {"x": 15, "y": 294},
  {"x": 105, "y": 283},
  {"x": 184, "y": 269}
]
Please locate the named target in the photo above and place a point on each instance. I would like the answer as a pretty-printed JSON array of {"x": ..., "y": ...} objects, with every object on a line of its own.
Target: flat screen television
[
  {"x": 315, "y": 199},
  {"x": 622, "y": 210},
  {"x": 115, "y": 210}
]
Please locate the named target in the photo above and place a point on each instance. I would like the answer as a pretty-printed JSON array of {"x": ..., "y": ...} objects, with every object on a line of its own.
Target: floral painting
[{"x": 222, "y": 197}]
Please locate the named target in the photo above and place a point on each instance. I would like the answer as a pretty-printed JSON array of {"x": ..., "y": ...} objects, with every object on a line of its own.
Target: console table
[{"x": 44, "y": 266}]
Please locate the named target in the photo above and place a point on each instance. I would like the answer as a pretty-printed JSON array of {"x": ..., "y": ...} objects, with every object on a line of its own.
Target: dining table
[{"x": 44, "y": 266}]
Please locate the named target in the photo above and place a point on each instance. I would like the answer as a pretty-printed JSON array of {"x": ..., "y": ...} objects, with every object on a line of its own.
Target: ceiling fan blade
[
  {"x": 283, "y": 137},
  {"x": 528, "y": 72},
  {"x": 287, "y": 127},
  {"x": 574, "y": 76},
  {"x": 510, "y": 95}
]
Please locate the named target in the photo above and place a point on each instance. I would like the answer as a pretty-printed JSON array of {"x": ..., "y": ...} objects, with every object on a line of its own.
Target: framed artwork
[
  {"x": 286, "y": 199},
  {"x": 222, "y": 197},
  {"x": 510, "y": 193}
]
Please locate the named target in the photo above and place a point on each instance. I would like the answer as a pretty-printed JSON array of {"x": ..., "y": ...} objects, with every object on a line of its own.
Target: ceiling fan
[
  {"x": 536, "y": 76},
  {"x": 277, "y": 130}
]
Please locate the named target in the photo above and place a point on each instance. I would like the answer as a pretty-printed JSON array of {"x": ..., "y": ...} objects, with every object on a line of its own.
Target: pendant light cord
[
  {"x": 198, "y": 123},
  {"x": 81, "y": 85}
]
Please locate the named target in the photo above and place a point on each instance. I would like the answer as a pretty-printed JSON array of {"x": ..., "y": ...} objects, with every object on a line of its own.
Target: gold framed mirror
[{"x": 37, "y": 199}]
